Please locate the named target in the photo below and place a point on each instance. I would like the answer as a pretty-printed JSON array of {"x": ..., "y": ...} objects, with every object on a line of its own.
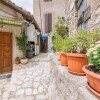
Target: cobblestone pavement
[{"x": 33, "y": 81}]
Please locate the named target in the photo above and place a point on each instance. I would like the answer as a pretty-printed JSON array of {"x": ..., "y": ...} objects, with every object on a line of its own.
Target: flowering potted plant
[
  {"x": 93, "y": 71},
  {"x": 77, "y": 60}
]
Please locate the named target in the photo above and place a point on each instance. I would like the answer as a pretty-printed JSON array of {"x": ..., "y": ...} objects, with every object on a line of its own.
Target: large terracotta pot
[
  {"x": 93, "y": 81},
  {"x": 76, "y": 63},
  {"x": 63, "y": 59}
]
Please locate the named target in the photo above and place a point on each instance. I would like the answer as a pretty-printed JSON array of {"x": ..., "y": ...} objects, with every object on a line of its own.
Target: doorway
[
  {"x": 5, "y": 52},
  {"x": 44, "y": 43}
]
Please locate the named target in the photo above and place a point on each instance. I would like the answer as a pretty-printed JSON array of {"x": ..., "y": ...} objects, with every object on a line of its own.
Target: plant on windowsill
[
  {"x": 76, "y": 61},
  {"x": 93, "y": 71},
  {"x": 22, "y": 45},
  {"x": 17, "y": 60}
]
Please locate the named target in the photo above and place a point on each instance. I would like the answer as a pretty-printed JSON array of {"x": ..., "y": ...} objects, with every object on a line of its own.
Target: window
[
  {"x": 83, "y": 14},
  {"x": 48, "y": 23}
]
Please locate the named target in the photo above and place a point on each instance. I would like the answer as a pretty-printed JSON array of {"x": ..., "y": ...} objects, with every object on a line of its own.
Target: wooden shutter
[
  {"x": 47, "y": 0},
  {"x": 48, "y": 23}
]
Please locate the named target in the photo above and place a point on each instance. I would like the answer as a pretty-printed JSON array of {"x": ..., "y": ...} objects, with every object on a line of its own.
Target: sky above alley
[{"x": 25, "y": 4}]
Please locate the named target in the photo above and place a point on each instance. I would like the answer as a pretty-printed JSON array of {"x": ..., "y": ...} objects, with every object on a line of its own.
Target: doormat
[{"x": 5, "y": 76}]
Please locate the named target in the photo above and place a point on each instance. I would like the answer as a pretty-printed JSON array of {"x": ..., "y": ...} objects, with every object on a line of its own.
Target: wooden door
[
  {"x": 44, "y": 46},
  {"x": 6, "y": 52}
]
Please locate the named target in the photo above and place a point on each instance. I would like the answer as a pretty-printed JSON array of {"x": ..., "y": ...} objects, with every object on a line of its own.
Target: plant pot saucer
[
  {"x": 75, "y": 73},
  {"x": 92, "y": 90}
]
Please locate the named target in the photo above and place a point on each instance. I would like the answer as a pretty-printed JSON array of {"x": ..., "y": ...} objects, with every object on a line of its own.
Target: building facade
[
  {"x": 46, "y": 13},
  {"x": 83, "y": 14},
  {"x": 12, "y": 19}
]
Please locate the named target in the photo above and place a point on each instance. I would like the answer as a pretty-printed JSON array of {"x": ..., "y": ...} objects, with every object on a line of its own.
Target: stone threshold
[
  {"x": 5, "y": 76},
  {"x": 69, "y": 86}
]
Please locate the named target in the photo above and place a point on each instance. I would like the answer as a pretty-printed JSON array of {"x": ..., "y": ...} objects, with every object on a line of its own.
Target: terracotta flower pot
[
  {"x": 17, "y": 61},
  {"x": 63, "y": 59},
  {"x": 76, "y": 63},
  {"x": 93, "y": 81}
]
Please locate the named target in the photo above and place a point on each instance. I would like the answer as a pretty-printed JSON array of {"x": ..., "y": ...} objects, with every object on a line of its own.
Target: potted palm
[
  {"x": 22, "y": 45},
  {"x": 93, "y": 71},
  {"x": 76, "y": 61}
]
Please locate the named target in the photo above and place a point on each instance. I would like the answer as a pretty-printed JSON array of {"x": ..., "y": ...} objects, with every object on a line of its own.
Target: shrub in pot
[
  {"x": 22, "y": 45},
  {"x": 93, "y": 71},
  {"x": 60, "y": 44},
  {"x": 76, "y": 61},
  {"x": 17, "y": 60},
  {"x": 59, "y": 34},
  {"x": 63, "y": 57}
]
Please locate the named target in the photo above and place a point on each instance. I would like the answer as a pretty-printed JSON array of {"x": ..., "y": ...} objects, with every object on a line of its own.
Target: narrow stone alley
[{"x": 33, "y": 81}]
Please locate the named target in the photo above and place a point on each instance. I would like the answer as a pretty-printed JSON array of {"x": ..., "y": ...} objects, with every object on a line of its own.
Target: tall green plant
[
  {"x": 22, "y": 42},
  {"x": 57, "y": 42},
  {"x": 61, "y": 29},
  {"x": 71, "y": 44},
  {"x": 85, "y": 38}
]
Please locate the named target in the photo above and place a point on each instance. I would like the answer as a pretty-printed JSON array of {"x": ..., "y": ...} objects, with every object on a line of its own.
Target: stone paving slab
[{"x": 29, "y": 82}]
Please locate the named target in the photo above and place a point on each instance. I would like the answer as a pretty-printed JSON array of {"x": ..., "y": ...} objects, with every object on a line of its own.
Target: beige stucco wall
[
  {"x": 6, "y": 12},
  {"x": 15, "y": 30},
  {"x": 56, "y": 7}
]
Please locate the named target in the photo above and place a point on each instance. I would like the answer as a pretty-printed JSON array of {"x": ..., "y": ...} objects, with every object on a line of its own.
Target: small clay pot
[{"x": 17, "y": 61}]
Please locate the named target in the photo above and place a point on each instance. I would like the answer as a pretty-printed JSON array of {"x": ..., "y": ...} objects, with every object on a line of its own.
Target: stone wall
[
  {"x": 69, "y": 86},
  {"x": 72, "y": 16},
  {"x": 95, "y": 14}
]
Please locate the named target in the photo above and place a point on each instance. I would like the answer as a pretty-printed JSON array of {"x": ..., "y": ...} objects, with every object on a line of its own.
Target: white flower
[
  {"x": 95, "y": 52},
  {"x": 95, "y": 56}
]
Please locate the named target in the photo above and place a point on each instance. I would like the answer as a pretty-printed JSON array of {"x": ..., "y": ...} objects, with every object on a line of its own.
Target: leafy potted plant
[
  {"x": 63, "y": 57},
  {"x": 59, "y": 37},
  {"x": 76, "y": 61},
  {"x": 17, "y": 60},
  {"x": 93, "y": 71},
  {"x": 22, "y": 44}
]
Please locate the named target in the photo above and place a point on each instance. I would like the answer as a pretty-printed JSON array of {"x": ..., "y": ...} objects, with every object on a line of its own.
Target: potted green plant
[
  {"x": 59, "y": 36},
  {"x": 22, "y": 45},
  {"x": 93, "y": 71},
  {"x": 63, "y": 57},
  {"x": 76, "y": 61},
  {"x": 17, "y": 60}
]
